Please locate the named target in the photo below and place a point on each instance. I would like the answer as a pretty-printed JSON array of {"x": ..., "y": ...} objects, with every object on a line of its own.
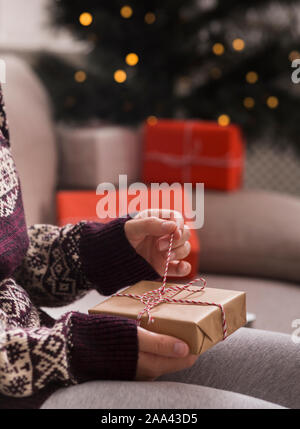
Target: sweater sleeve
[
  {"x": 63, "y": 263},
  {"x": 75, "y": 349},
  {"x": 3, "y": 119}
]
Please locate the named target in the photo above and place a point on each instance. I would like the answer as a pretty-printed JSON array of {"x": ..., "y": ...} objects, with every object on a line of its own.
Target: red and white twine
[{"x": 155, "y": 297}]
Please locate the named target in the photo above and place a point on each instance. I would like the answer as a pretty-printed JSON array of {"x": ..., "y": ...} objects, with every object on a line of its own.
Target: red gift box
[
  {"x": 74, "y": 206},
  {"x": 193, "y": 152}
]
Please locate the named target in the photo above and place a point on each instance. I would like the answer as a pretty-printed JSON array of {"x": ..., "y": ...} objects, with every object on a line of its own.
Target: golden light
[
  {"x": 223, "y": 120},
  {"x": 152, "y": 120},
  {"x": 249, "y": 102},
  {"x": 120, "y": 76},
  {"x": 132, "y": 59},
  {"x": 126, "y": 11},
  {"x": 251, "y": 77},
  {"x": 216, "y": 73},
  {"x": 218, "y": 49},
  {"x": 238, "y": 44},
  {"x": 150, "y": 18},
  {"x": 272, "y": 102},
  {"x": 85, "y": 19},
  {"x": 80, "y": 76},
  {"x": 294, "y": 55}
]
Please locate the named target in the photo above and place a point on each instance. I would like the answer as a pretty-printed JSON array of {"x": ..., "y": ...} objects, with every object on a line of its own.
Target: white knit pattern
[{"x": 9, "y": 188}]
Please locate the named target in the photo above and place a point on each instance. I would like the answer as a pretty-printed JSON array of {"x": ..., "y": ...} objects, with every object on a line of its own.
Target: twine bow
[{"x": 158, "y": 296}]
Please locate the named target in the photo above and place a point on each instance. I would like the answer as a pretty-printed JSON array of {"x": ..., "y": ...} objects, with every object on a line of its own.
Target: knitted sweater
[{"x": 45, "y": 265}]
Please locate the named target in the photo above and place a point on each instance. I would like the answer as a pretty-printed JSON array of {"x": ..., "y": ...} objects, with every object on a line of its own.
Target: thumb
[
  {"x": 139, "y": 228},
  {"x": 160, "y": 344}
]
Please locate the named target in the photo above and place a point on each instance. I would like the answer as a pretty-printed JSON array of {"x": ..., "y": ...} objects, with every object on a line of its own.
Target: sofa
[{"x": 250, "y": 240}]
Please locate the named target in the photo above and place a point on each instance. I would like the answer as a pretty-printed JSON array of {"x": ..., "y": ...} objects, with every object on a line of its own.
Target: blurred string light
[
  {"x": 132, "y": 59},
  {"x": 272, "y": 102},
  {"x": 251, "y": 77},
  {"x": 126, "y": 12},
  {"x": 85, "y": 19},
  {"x": 152, "y": 120},
  {"x": 218, "y": 49},
  {"x": 223, "y": 120},
  {"x": 238, "y": 44},
  {"x": 294, "y": 55},
  {"x": 120, "y": 76},
  {"x": 249, "y": 102},
  {"x": 150, "y": 18},
  {"x": 80, "y": 76}
]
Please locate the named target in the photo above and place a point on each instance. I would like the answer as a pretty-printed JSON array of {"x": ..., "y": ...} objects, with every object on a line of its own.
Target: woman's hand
[
  {"x": 149, "y": 233},
  {"x": 161, "y": 354}
]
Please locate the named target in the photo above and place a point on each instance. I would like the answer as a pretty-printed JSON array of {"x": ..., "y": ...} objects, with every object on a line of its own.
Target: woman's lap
[
  {"x": 148, "y": 395},
  {"x": 253, "y": 362},
  {"x": 257, "y": 365}
]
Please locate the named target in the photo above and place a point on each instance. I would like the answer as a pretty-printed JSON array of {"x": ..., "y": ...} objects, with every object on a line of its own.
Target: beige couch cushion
[
  {"x": 253, "y": 233},
  {"x": 32, "y": 139}
]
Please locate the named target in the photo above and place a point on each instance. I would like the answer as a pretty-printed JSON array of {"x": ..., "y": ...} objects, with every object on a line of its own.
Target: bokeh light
[
  {"x": 272, "y": 102},
  {"x": 80, "y": 76},
  {"x": 251, "y": 77},
  {"x": 218, "y": 49},
  {"x": 120, "y": 76},
  {"x": 152, "y": 120},
  {"x": 238, "y": 44},
  {"x": 85, "y": 19},
  {"x": 126, "y": 11},
  {"x": 132, "y": 59},
  {"x": 294, "y": 55},
  {"x": 223, "y": 120},
  {"x": 249, "y": 102},
  {"x": 150, "y": 18}
]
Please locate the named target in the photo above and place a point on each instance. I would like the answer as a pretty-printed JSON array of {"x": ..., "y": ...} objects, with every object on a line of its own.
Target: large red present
[
  {"x": 74, "y": 206},
  {"x": 193, "y": 152}
]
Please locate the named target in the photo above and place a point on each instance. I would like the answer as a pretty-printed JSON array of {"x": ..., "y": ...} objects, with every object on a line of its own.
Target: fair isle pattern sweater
[{"x": 49, "y": 266}]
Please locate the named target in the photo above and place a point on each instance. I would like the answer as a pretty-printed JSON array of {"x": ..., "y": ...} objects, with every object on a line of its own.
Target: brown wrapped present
[{"x": 200, "y": 326}]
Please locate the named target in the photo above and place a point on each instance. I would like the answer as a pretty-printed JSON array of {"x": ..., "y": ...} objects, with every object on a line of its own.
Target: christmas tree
[{"x": 228, "y": 61}]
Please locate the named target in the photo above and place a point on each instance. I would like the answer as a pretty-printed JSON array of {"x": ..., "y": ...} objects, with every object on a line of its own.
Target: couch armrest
[
  {"x": 251, "y": 232},
  {"x": 33, "y": 141}
]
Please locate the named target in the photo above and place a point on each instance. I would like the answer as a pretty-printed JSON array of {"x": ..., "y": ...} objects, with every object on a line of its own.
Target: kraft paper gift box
[
  {"x": 193, "y": 152},
  {"x": 74, "y": 206},
  {"x": 200, "y": 326}
]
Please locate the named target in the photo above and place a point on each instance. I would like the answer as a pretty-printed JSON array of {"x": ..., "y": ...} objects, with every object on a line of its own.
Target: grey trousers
[{"x": 250, "y": 369}]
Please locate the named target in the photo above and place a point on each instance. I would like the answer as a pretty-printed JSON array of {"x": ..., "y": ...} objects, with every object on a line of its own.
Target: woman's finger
[
  {"x": 140, "y": 228},
  {"x": 152, "y": 366},
  {"x": 181, "y": 252},
  {"x": 179, "y": 268},
  {"x": 165, "y": 214},
  {"x": 163, "y": 243}
]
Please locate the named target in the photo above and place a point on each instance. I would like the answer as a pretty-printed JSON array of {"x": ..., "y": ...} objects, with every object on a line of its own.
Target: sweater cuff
[
  {"x": 108, "y": 259},
  {"x": 103, "y": 347}
]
